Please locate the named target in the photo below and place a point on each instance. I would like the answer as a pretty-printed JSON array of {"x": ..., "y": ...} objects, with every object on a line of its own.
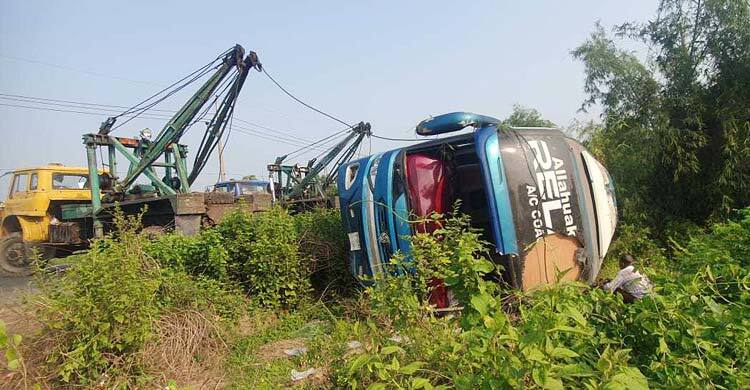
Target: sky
[{"x": 390, "y": 63}]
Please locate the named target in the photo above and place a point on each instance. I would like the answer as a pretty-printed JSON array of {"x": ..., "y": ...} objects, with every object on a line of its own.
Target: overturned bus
[{"x": 540, "y": 198}]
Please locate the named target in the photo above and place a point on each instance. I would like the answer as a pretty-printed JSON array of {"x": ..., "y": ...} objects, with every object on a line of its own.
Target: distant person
[{"x": 629, "y": 283}]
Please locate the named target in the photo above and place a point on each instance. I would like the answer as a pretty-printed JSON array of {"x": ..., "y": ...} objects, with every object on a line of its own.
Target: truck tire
[{"x": 14, "y": 256}]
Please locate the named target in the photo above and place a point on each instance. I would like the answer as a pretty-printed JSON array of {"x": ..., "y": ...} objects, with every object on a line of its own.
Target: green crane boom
[
  {"x": 142, "y": 154},
  {"x": 298, "y": 185},
  {"x": 175, "y": 128}
]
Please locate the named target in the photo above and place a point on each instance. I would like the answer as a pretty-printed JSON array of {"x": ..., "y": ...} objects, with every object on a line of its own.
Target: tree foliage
[
  {"x": 676, "y": 131},
  {"x": 526, "y": 117}
]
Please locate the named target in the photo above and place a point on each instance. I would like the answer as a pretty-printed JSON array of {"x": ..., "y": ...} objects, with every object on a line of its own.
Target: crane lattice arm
[
  {"x": 175, "y": 128},
  {"x": 297, "y": 187}
]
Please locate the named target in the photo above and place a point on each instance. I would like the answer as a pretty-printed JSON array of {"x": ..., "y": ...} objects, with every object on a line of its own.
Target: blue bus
[{"x": 540, "y": 198}]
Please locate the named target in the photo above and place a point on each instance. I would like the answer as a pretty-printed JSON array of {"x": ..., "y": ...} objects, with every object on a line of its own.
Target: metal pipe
[
  {"x": 273, "y": 188},
  {"x": 168, "y": 163},
  {"x": 112, "y": 161},
  {"x": 96, "y": 200}
]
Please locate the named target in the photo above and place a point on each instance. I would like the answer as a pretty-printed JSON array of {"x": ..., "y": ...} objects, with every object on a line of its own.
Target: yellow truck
[
  {"x": 48, "y": 213},
  {"x": 32, "y": 214}
]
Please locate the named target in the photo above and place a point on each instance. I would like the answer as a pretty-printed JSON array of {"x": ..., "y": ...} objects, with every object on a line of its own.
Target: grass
[{"x": 257, "y": 360}]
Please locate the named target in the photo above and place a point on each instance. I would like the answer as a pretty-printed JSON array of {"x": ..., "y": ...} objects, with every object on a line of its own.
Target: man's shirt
[{"x": 630, "y": 281}]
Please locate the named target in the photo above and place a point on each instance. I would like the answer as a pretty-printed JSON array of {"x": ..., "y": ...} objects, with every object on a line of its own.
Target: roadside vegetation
[
  {"x": 141, "y": 312},
  {"x": 266, "y": 300}
]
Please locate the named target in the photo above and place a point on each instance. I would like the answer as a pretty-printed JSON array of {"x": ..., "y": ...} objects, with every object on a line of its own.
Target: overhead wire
[
  {"x": 69, "y": 68},
  {"x": 111, "y": 107},
  {"x": 61, "y": 110},
  {"x": 241, "y": 129},
  {"x": 101, "y": 111},
  {"x": 393, "y": 139},
  {"x": 139, "y": 109}
]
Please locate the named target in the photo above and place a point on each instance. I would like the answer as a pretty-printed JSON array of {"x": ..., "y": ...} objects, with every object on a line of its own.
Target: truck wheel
[{"x": 14, "y": 256}]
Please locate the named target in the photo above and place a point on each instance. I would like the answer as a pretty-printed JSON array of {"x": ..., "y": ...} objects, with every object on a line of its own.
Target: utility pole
[{"x": 222, "y": 171}]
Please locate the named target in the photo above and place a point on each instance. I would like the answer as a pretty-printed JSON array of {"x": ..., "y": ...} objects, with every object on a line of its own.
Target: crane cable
[
  {"x": 298, "y": 100},
  {"x": 201, "y": 69},
  {"x": 303, "y": 103},
  {"x": 394, "y": 139},
  {"x": 295, "y": 152},
  {"x": 321, "y": 112},
  {"x": 138, "y": 111},
  {"x": 200, "y": 72}
]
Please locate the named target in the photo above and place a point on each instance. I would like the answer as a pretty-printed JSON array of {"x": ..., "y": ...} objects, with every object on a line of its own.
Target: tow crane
[
  {"x": 296, "y": 186},
  {"x": 165, "y": 198}
]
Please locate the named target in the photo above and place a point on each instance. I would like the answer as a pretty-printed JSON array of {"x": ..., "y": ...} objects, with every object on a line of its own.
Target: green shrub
[
  {"x": 260, "y": 253},
  {"x": 264, "y": 257},
  {"x": 10, "y": 349},
  {"x": 397, "y": 298},
  {"x": 99, "y": 314},
  {"x": 203, "y": 255},
  {"x": 455, "y": 254},
  {"x": 694, "y": 333}
]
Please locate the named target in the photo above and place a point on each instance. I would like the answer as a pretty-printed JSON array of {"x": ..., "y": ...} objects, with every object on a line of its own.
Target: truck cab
[
  {"x": 33, "y": 205},
  {"x": 545, "y": 204}
]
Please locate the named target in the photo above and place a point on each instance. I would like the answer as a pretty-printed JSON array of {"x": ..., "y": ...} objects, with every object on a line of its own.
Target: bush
[
  {"x": 694, "y": 333},
  {"x": 397, "y": 300},
  {"x": 203, "y": 255},
  {"x": 259, "y": 253},
  {"x": 185, "y": 292},
  {"x": 264, "y": 257},
  {"x": 99, "y": 314},
  {"x": 455, "y": 254}
]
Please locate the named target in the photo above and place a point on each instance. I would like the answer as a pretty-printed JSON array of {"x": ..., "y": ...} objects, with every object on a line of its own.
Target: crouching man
[{"x": 629, "y": 283}]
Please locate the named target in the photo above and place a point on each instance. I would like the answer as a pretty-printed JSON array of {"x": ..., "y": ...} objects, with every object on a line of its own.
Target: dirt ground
[
  {"x": 12, "y": 312},
  {"x": 12, "y": 293}
]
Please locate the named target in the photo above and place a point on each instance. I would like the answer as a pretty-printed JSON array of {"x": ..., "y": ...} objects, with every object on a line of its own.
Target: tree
[
  {"x": 676, "y": 133},
  {"x": 526, "y": 117}
]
